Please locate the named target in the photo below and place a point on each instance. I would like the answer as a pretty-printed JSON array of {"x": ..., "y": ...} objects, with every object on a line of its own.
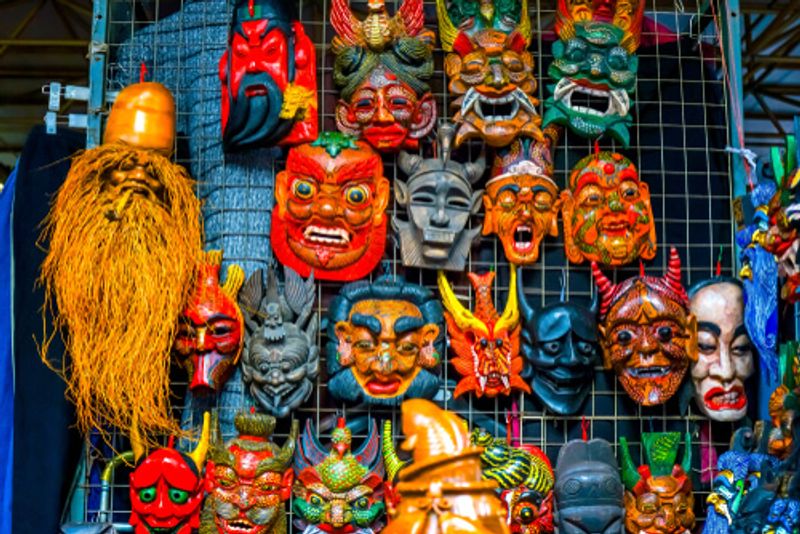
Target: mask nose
[
  {"x": 440, "y": 218},
  {"x": 497, "y": 77}
]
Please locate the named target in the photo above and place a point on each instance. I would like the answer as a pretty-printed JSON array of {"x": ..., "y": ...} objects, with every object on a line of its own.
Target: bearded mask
[
  {"x": 281, "y": 358},
  {"x": 725, "y": 354},
  {"x": 382, "y": 68},
  {"x": 647, "y": 333},
  {"x": 441, "y": 491},
  {"x": 209, "y": 338},
  {"x": 439, "y": 200},
  {"x": 560, "y": 343},
  {"x": 329, "y": 209},
  {"x": 486, "y": 344},
  {"x": 248, "y": 479},
  {"x": 588, "y": 491},
  {"x": 125, "y": 237},
  {"x": 521, "y": 199},
  {"x": 491, "y": 74},
  {"x": 525, "y": 477},
  {"x": 338, "y": 490},
  {"x": 594, "y": 67},
  {"x": 166, "y": 487},
  {"x": 607, "y": 213},
  {"x": 659, "y": 499},
  {"x": 269, "y": 78},
  {"x": 385, "y": 341}
]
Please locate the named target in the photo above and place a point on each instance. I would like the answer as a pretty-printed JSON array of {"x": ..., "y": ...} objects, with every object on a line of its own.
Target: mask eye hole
[
  {"x": 147, "y": 495},
  {"x": 178, "y": 496},
  {"x": 664, "y": 334},
  {"x": 303, "y": 189},
  {"x": 484, "y": 343},
  {"x": 357, "y": 195},
  {"x": 624, "y": 337},
  {"x": 552, "y": 347}
]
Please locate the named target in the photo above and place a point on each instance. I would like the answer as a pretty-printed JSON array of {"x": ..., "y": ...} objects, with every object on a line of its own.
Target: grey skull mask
[
  {"x": 588, "y": 490},
  {"x": 280, "y": 360},
  {"x": 439, "y": 200}
]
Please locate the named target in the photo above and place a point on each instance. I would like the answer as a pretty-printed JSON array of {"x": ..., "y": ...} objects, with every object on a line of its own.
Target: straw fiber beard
[{"x": 118, "y": 281}]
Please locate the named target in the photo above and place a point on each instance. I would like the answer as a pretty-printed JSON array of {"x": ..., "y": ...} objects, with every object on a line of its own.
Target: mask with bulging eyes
[
  {"x": 280, "y": 361},
  {"x": 439, "y": 200},
  {"x": 560, "y": 343},
  {"x": 588, "y": 490},
  {"x": 594, "y": 66}
]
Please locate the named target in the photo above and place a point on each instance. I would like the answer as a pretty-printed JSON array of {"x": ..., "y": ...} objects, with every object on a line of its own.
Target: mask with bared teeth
[
  {"x": 330, "y": 207},
  {"x": 647, "y": 332}
]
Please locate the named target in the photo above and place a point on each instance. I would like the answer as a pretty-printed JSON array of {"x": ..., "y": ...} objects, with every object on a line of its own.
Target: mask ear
[
  {"x": 282, "y": 186},
  {"x": 381, "y": 201},
  {"x": 427, "y": 355},
  {"x": 477, "y": 196},
  {"x": 488, "y": 216},
  {"x": 286, "y": 484},
  {"x": 346, "y": 120},
  {"x": 452, "y": 67},
  {"x": 570, "y": 249},
  {"x": 424, "y": 117},
  {"x": 343, "y": 332},
  {"x": 554, "y": 224},
  {"x": 605, "y": 345},
  {"x": 401, "y": 192},
  {"x": 691, "y": 344}
]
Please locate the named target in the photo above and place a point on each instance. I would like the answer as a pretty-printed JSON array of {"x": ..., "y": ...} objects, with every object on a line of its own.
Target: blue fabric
[{"x": 6, "y": 360}]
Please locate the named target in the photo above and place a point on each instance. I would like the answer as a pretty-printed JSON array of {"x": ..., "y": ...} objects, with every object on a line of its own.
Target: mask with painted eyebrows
[{"x": 725, "y": 354}]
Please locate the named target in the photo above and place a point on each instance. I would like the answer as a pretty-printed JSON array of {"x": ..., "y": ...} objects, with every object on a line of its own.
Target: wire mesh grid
[{"x": 677, "y": 141}]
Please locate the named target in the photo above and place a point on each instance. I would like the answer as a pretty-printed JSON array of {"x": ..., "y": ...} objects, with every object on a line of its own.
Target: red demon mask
[
  {"x": 486, "y": 345},
  {"x": 209, "y": 339}
]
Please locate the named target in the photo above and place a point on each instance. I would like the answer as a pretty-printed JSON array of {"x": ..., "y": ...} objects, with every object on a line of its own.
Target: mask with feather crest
[{"x": 647, "y": 333}]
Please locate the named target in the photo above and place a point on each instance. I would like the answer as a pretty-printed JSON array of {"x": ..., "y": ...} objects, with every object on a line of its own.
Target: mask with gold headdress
[{"x": 124, "y": 236}]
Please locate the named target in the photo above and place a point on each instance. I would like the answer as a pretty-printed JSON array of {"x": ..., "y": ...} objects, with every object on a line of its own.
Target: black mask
[
  {"x": 560, "y": 343},
  {"x": 588, "y": 489}
]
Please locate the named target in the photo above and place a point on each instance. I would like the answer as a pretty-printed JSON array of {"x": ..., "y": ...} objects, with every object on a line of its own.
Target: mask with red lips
[
  {"x": 166, "y": 487},
  {"x": 607, "y": 213},
  {"x": 647, "y": 332},
  {"x": 269, "y": 78},
  {"x": 209, "y": 339},
  {"x": 329, "y": 212},
  {"x": 486, "y": 344}
]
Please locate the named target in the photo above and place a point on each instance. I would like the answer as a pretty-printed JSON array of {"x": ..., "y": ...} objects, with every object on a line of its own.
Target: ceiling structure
[{"x": 47, "y": 40}]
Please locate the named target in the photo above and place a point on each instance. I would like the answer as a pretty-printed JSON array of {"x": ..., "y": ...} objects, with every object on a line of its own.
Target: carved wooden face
[
  {"x": 329, "y": 210},
  {"x": 661, "y": 505},
  {"x": 492, "y": 75},
  {"x": 607, "y": 213}
]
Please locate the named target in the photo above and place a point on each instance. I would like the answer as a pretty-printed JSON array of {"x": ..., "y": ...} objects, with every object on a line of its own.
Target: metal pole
[{"x": 98, "y": 55}]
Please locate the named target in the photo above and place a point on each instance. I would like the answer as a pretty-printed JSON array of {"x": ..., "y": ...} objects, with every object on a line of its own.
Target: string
[
  {"x": 641, "y": 269},
  {"x": 585, "y": 424},
  {"x": 718, "y": 272},
  {"x": 142, "y": 71}
]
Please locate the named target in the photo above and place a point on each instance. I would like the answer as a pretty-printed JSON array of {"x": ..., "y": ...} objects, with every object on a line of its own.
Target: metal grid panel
[{"x": 677, "y": 140}]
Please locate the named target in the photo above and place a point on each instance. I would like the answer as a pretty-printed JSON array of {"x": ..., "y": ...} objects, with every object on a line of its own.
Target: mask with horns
[
  {"x": 647, "y": 333},
  {"x": 486, "y": 344},
  {"x": 594, "y": 59},
  {"x": 166, "y": 486},
  {"x": 659, "y": 497},
  {"x": 439, "y": 199}
]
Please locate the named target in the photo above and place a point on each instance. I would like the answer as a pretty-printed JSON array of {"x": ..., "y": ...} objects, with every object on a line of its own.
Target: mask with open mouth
[
  {"x": 384, "y": 342},
  {"x": 607, "y": 213},
  {"x": 439, "y": 200},
  {"x": 269, "y": 78},
  {"x": 486, "y": 344},
  {"x": 166, "y": 487},
  {"x": 521, "y": 200},
  {"x": 659, "y": 499},
  {"x": 648, "y": 335},
  {"x": 209, "y": 338},
  {"x": 382, "y": 68},
  {"x": 491, "y": 73},
  {"x": 248, "y": 479},
  {"x": 280, "y": 361},
  {"x": 339, "y": 490},
  {"x": 329, "y": 212},
  {"x": 560, "y": 343},
  {"x": 594, "y": 67},
  {"x": 725, "y": 354}
]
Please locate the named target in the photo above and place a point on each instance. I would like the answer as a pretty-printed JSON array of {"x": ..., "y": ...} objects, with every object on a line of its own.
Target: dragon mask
[
  {"x": 594, "y": 67},
  {"x": 382, "y": 68},
  {"x": 269, "y": 78},
  {"x": 329, "y": 209},
  {"x": 647, "y": 332},
  {"x": 339, "y": 490},
  {"x": 521, "y": 199},
  {"x": 439, "y": 199},
  {"x": 491, "y": 74},
  {"x": 607, "y": 213},
  {"x": 659, "y": 497},
  {"x": 125, "y": 239},
  {"x": 281, "y": 359},
  {"x": 248, "y": 479},
  {"x": 486, "y": 344},
  {"x": 210, "y": 329},
  {"x": 385, "y": 341}
]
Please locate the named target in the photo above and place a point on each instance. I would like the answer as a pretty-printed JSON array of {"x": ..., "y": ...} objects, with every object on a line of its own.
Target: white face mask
[{"x": 725, "y": 353}]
